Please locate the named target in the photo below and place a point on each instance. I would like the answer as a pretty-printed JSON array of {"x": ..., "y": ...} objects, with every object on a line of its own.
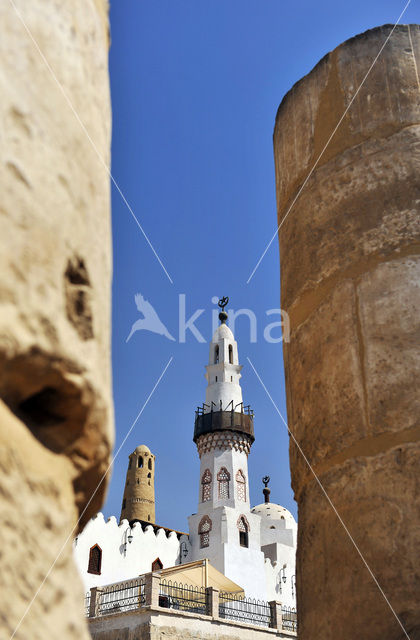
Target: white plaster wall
[
  {"x": 223, "y": 336},
  {"x": 228, "y": 392},
  {"x": 214, "y": 551},
  {"x": 233, "y": 461},
  {"x": 227, "y": 389},
  {"x": 119, "y": 563},
  {"x": 274, "y": 533},
  {"x": 278, "y": 541},
  {"x": 277, "y": 589},
  {"x": 245, "y": 566}
]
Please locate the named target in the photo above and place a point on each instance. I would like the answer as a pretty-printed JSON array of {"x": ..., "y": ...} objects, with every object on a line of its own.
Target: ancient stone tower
[
  {"x": 350, "y": 272},
  {"x": 139, "y": 492}
]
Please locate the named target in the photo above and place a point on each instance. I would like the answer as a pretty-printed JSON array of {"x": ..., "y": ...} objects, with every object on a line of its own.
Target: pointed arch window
[
  {"x": 206, "y": 481},
  {"x": 157, "y": 565},
  {"x": 140, "y": 463},
  {"x": 95, "y": 560},
  {"x": 241, "y": 485},
  {"x": 204, "y": 529},
  {"x": 149, "y": 464},
  {"x": 216, "y": 354},
  {"x": 223, "y": 478},
  {"x": 230, "y": 354},
  {"x": 243, "y": 527}
]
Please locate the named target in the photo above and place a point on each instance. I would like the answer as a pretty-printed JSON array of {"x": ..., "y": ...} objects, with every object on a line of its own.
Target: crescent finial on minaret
[
  {"x": 223, "y": 316},
  {"x": 266, "y": 490}
]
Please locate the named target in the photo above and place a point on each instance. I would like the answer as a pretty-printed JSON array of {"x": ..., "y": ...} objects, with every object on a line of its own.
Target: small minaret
[
  {"x": 224, "y": 530},
  {"x": 139, "y": 491}
]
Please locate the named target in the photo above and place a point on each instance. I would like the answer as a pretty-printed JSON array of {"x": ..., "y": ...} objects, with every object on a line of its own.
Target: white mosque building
[{"x": 253, "y": 547}]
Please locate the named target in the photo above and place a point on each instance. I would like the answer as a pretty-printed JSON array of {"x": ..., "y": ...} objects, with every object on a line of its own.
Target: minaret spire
[
  {"x": 223, "y": 391},
  {"x": 223, "y": 421},
  {"x": 224, "y": 530}
]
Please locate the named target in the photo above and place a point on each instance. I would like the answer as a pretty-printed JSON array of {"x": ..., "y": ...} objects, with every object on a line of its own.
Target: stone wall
[
  {"x": 155, "y": 623},
  {"x": 350, "y": 271},
  {"x": 55, "y": 268}
]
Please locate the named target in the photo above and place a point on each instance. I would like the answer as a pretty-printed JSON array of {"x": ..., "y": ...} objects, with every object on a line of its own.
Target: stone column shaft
[{"x": 350, "y": 274}]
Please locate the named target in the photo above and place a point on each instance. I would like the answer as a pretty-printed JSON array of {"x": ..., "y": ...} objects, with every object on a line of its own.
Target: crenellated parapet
[{"x": 126, "y": 551}]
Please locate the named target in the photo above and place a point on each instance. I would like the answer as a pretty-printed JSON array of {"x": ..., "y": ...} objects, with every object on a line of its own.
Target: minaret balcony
[{"x": 208, "y": 421}]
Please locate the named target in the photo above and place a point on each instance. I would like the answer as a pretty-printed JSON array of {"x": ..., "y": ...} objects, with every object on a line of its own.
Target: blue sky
[{"x": 195, "y": 88}]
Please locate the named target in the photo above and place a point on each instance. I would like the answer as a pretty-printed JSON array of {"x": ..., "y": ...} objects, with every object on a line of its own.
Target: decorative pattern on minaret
[
  {"x": 223, "y": 430},
  {"x": 223, "y": 440}
]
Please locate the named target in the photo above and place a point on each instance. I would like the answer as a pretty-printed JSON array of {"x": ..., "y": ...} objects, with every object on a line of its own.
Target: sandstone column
[
  {"x": 350, "y": 280},
  {"x": 55, "y": 269}
]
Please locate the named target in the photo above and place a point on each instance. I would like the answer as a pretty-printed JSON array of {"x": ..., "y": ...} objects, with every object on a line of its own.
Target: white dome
[
  {"x": 222, "y": 333},
  {"x": 270, "y": 511}
]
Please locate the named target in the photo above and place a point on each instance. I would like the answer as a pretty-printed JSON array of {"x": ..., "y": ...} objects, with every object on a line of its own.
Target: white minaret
[
  {"x": 223, "y": 372},
  {"x": 224, "y": 530}
]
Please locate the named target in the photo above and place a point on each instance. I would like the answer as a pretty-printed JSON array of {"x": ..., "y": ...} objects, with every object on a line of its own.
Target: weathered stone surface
[
  {"x": 389, "y": 304},
  {"x": 55, "y": 270},
  {"x": 349, "y": 251},
  {"x": 156, "y": 623},
  {"x": 325, "y": 383},
  {"x": 311, "y": 110},
  {"x": 342, "y": 227},
  {"x": 38, "y": 515},
  {"x": 139, "y": 491},
  {"x": 375, "y": 497}
]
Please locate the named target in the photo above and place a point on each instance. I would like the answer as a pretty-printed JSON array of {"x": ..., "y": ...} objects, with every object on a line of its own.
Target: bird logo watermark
[
  {"x": 150, "y": 320},
  {"x": 273, "y": 332}
]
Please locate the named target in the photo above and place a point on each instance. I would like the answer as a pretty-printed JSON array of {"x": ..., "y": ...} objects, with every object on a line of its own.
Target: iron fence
[
  {"x": 289, "y": 619},
  {"x": 122, "y": 596},
  {"x": 248, "y": 610},
  {"x": 175, "y": 595},
  {"x": 130, "y": 595}
]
